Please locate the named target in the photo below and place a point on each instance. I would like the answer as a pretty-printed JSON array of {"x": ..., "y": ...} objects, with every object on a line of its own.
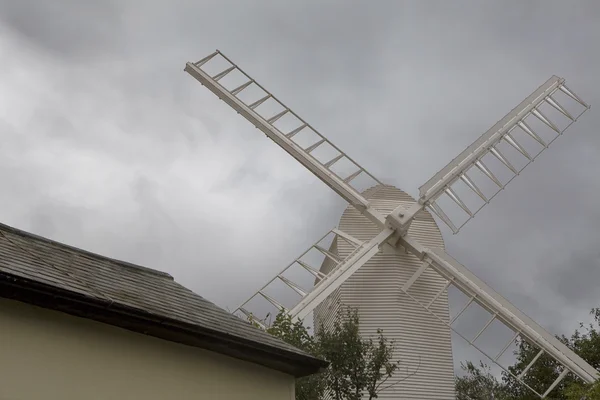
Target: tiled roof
[{"x": 47, "y": 262}]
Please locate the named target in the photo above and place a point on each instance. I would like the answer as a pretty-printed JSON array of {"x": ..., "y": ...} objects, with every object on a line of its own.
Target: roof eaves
[{"x": 140, "y": 321}]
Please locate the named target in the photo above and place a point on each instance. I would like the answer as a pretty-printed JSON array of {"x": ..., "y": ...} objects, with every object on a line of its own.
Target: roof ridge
[{"x": 84, "y": 252}]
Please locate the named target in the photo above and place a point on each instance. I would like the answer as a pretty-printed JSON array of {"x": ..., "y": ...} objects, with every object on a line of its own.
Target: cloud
[{"x": 66, "y": 28}]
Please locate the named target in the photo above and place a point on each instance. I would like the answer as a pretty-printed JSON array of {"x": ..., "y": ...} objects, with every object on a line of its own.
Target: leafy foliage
[
  {"x": 585, "y": 341},
  {"x": 578, "y": 391},
  {"x": 478, "y": 383},
  {"x": 359, "y": 367},
  {"x": 539, "y": 377},
  {"x": 310, "y": 387}
]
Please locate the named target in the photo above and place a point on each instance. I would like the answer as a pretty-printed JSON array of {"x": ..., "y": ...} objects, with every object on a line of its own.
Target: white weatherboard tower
[{"x": 387, "y": 255}]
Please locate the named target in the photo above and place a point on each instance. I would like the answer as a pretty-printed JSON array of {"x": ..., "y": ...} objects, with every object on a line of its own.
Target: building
[
  {"x": 76, "y": 325},
  {"x": 422, "y": 342}
]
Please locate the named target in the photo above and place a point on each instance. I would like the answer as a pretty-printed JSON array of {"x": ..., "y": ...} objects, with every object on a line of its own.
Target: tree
[
  {"x": 585, "y": 341},
  {"x": 478, "y": 383},
  {"x": 310, "y": 387},
  {"x": 539, "y": 377},
  {"x": 358, "y": 366},
  {"x": 579, "y": 391}
]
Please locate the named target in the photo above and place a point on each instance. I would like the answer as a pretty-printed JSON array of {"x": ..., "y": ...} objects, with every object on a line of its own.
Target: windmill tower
[
  {"x": 387, "y": 255},
  {"x": 427, "y": 368}
]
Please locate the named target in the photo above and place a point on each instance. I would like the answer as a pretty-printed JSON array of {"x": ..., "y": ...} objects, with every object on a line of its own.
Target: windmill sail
[
  {"x": 325, "y": 284},
  {"x": 503, "y": 132},
  {"x": 287, "y": 140},
  {"x": 500, "y": 309}
]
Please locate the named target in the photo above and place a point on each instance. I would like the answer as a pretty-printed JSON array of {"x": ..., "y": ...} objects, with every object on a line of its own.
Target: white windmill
[{"x": 386, "y": 257}]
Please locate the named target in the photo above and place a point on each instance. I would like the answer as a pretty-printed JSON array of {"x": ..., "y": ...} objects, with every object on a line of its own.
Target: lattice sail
[
  {"x": 538, "y": 120},
  {"x": 500, "y": 310},
  {"x": 296, "y": 299},
  {"x": 286, "y": 128}
]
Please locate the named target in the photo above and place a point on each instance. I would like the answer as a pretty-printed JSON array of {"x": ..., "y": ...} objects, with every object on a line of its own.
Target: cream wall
[{"x": 53, "y": 356}]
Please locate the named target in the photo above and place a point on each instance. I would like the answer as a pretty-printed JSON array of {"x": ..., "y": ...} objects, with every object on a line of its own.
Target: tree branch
[{"x": 402, "y": 380}]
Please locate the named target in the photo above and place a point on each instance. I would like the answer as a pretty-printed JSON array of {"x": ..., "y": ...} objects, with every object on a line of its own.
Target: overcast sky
[{"x": 108, "y": 145}]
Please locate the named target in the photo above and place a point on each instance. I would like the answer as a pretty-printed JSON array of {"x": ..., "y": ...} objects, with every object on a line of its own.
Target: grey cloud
[
  {"x": 69, "y": 28},
  {"x": 576, "y": 278},
  {"x": 50, "y": 219}
]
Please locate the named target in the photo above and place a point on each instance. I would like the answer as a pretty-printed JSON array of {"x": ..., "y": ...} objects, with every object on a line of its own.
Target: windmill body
[
  {"x": 386, "y": 257},
  {"x": 422, "y": 343}
]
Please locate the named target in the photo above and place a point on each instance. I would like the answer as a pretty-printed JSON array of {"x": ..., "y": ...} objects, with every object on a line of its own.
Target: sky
[{"x": 108, "y": 145}]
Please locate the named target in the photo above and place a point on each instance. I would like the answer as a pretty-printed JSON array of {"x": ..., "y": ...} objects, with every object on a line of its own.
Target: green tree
[
  {"x": 310, "y": 387},
  {"x": 358, "y": 366},
  {"x": 478, "y": 383},
  {"x": 539, "y": 377},
  {"x": 579, "y": 391},
  {"x": 585, "y": 341}
]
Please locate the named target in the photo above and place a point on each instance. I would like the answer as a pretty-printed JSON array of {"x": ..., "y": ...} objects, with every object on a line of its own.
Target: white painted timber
[
  {"x": 340, "y": 185},
  {"x": 423, "y": 343},
  {"x": 478, "y": 291}
]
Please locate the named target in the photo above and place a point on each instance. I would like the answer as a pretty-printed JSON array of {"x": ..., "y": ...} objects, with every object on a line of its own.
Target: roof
[{"x": 52, "y": 275}]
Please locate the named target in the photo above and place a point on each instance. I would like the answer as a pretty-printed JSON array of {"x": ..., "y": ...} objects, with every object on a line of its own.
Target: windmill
[{"x": 388, "y": 249}]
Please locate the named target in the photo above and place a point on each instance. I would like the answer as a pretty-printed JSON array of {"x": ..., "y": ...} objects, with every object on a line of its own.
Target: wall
[{"x": 53, "y": 356}]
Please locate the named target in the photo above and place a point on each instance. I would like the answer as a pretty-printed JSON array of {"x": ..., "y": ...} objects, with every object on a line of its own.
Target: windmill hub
[{"x": 401, "y": 218}]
